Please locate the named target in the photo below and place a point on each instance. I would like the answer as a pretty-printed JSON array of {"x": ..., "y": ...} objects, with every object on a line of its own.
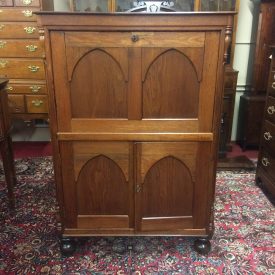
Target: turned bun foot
[
  {"x": 67, "y": 246},
  {"x": 202, "y": 246}
]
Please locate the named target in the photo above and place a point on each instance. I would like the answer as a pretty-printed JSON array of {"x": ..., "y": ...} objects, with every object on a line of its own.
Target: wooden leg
[
  {"x": 202, "y": 246},
  {"x": 8, "y": 165},
  {"x": 258, "y": 182},
  {"x": 67, "y": 246}
]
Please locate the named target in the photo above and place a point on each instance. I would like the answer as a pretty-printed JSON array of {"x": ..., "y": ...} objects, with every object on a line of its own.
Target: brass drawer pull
[
  {"x": 2, "y": 27},
  {"x": 273, "y": 85},
  {"x": 9, "y": 89},
  {"x": 267, "y": 136},
  {"x": 29, "y": 30},
  {"x": 26, "y": 2},
  {"x": 27, "y": 13},
  {"x": 271, "y": 110},
  {"x": 2, "y": 44},
  {"x": 34, "y": 69},
  {"x": 31, "y": 48},
  {"x": 37, "y": 103},
  {"x": 265, "y": 162},
  {"x": 3, "y": 63},
  {"x": 35, "y": 88},
  {"x": 135, "y": 38}
]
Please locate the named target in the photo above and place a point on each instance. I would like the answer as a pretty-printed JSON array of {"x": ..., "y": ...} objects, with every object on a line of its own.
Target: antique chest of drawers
[
  {"x": 22, "y": 58},
  {"x": 266, "y": 164},
  {"x": 135, "y": 110}
]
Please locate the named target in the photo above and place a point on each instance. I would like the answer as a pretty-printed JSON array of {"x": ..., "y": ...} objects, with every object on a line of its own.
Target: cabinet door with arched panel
[
  {"x": 98, "y": 184},
  {"x": 172, "y": 181}
]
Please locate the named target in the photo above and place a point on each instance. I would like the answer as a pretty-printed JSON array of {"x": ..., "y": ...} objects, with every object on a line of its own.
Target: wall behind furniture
[{"x": 244, "y": 51}]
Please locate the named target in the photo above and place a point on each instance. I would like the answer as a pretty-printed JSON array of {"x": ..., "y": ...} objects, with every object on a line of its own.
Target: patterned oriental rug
[{"x": 243, "y": 242}]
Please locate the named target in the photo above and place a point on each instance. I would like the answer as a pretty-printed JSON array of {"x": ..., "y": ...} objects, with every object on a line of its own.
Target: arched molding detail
[
  {"x": 197, "y": 70},
  {"x": 163, "y": 158},
  {"x": 82, "y": 164},
  {"x": 89, "y": 51}
]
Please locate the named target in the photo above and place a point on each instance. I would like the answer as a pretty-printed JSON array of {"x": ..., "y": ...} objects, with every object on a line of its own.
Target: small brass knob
[
  {"x": 273, "y": 85},
  {"x": 2, "y": 26},
  {"x": 265, "y": 162},
  {"x": 135, "y": 37}
]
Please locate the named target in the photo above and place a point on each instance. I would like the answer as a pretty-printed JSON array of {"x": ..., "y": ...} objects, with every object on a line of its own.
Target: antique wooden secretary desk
[{"x": 135, "y": 104}]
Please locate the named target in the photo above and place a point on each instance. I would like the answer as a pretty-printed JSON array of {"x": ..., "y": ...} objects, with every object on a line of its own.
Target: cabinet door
[
  {"x": 172, "y": 186},
  {"x": 97, "y": 185},
  {"x": 124, "y": 82}
]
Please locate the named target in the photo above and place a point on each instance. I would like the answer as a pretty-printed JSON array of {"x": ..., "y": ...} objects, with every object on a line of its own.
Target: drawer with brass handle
[
  {"x": 16, "y": 68},
  {"x": 21, "y": 48},
  {"x": 268, "y": 136},
  {"x": 18, "y": 14},
  {"x": 271, "y": 84},
  {"x": 37, "y": 104},
  {"x": 270, "y": 109},
  {"x": 18, "y": 30},
  {"x": 267, "y": 162},
  {"x": 16, "y": 103},
  {"x": 27, "y": 3},
  {"x": 24, "y": 88}
]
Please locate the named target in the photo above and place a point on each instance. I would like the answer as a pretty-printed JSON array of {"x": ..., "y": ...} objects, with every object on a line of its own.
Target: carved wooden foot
[
  {"x": 67, "y": 246},
  {"x": 202, "y": 246},
  {"x": 258, "y": 182}
]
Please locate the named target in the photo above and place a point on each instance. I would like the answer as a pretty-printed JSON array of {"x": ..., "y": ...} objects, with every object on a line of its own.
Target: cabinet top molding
[{"x": 162, "y": 20}]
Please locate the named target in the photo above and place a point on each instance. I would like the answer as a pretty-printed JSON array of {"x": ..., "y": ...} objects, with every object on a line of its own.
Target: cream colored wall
[{"x": 244, "y": 51}]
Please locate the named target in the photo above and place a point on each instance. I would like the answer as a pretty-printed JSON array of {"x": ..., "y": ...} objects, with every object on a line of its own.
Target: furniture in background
[
  {"x": 135, "y": 141},
  {"x": 265, "y": 175},
  {"x": 22, "y": 58},
  {"x": 250, "y": 118},
  {"x": 230, "y": 85},
  {"x": 252, "y": 103},
  {"x": 5, "y": 142}
]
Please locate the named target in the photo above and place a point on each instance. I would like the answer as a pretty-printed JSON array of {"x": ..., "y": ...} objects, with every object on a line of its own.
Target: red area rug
[{"x": 243, "y": 242}]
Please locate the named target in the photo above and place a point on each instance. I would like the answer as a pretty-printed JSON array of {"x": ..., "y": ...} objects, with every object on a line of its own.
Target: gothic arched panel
[
  {"x": 102, "y": 188},
  {"x": 167, "y": 189},
  {"x": 171, "y": 87},
  {"x": 98, "y": 87}
]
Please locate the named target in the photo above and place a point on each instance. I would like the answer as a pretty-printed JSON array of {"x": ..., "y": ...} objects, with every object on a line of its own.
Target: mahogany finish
[
  {"x": 265, "y": 175},
  {"x": 135, "y": 109},
  {"x": 6, "y": 143},
  {"x": 253, "y": 104},
  {"x": 22, "y": 58}
]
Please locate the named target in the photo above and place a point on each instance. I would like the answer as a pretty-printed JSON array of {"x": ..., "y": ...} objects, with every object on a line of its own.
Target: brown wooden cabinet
[
  {"x": 135, "y": 109},
  {"x": 22, "y": 58},
  {"x": 251, "y": 114},
  {"x": 265, "y": 175}
]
